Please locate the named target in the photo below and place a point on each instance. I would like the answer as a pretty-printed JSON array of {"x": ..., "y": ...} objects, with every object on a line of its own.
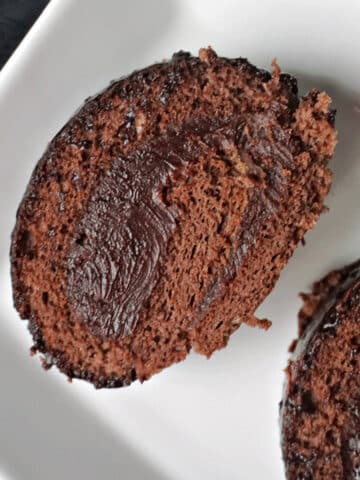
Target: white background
[{"x": 213, "y": 419}]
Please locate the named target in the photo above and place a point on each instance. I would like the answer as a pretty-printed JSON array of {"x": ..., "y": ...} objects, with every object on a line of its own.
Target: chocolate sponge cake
[
  {"x": 161, "y": 215},
  {"x": 320, "y": 414}
]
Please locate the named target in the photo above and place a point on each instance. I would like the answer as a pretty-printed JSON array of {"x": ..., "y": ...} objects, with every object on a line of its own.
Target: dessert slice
[
  {"x": 161, "y": 215},
  {"x": 320, "y": 412}
]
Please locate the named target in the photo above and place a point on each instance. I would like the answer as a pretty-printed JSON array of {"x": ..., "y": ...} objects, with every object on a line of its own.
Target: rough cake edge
[{"x": 315, "y": 302}]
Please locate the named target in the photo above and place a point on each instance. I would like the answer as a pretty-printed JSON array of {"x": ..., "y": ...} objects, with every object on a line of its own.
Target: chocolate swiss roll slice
[
  {"x": 161, "y": 215},
  {"x": 320, "y": 412}
]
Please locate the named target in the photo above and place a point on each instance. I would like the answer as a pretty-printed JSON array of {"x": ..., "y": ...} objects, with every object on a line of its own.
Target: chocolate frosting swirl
[{"x": 122, "y": 237}]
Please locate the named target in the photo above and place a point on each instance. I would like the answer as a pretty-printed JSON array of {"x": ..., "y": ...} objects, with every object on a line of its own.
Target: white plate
[{"x": 213, "y": 419}]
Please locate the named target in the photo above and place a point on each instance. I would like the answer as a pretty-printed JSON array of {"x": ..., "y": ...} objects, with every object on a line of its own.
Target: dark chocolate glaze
[
  {"x": 122, "y": 236},
  {"x": 120, "y": 241},
  {"x": 321, "y": 324}
]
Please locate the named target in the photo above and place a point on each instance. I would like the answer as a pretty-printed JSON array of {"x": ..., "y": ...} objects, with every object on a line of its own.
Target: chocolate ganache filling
[{"x": 121, "y": 239}]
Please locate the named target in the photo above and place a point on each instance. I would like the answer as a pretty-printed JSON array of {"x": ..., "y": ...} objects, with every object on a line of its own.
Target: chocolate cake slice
[
  {"x": 161, "y": 215},
  {"x": 320, "y": 412}
]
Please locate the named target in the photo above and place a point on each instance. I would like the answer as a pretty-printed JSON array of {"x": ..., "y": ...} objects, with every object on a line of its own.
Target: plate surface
[{"x": 210, "y": 419}]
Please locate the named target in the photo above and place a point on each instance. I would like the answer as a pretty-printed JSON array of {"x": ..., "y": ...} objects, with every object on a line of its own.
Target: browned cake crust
[
  {"x": 320, "y": 411},
  {"x": 161, "y": 215}
]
